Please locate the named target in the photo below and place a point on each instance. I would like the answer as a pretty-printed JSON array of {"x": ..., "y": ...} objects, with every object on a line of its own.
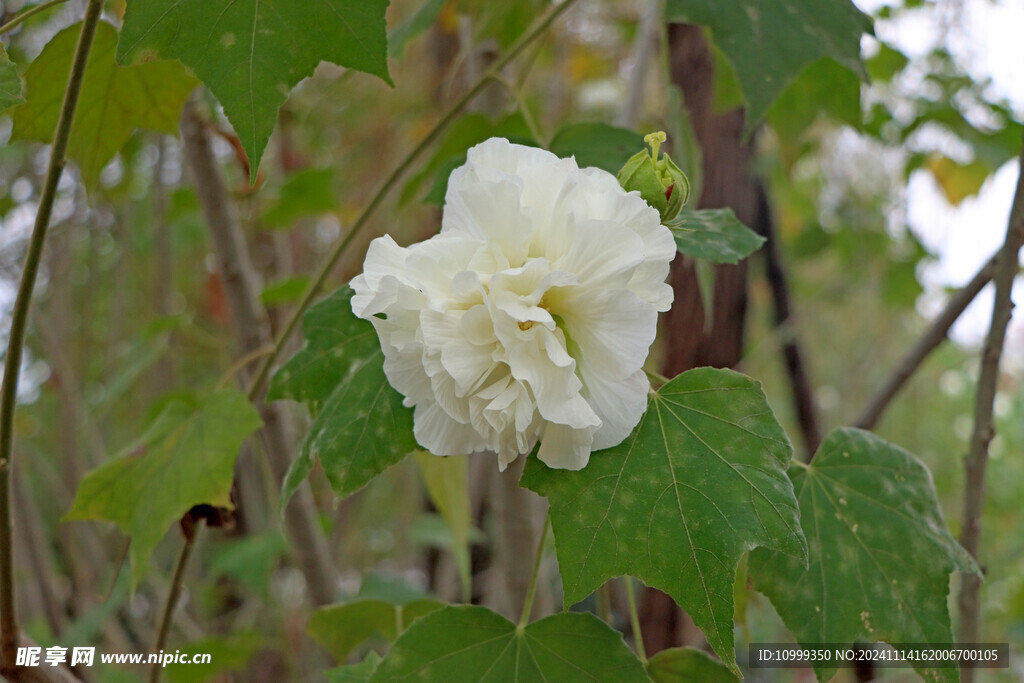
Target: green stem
[
  {"x": 528, "y": 119},
  {"x": 16, "y": 21},
  {"x": 634, "y": 620},
  {"x": 538, "y": 28},
  {"x": 173, "y": 593},
  {"x": 531, "y": 592},
  {"x": 19, "y": 321}
]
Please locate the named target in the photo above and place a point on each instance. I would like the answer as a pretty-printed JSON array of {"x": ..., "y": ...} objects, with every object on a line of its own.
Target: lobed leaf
[
  {"x": 880, "y": 553},
  {"x": 186, "y": 458},
  {"x": 251, "y": 53},
  {"x": 360, "y": 426},
  {"x": 701, "y": 480},
  {"x": 114, "y": 101},
  {"x": 769, "y": 42},
  {"x": 470, "y": 643}
]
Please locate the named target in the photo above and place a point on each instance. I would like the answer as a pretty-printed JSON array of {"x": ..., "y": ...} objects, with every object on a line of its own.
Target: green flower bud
[{"x": 659, "y": 181}]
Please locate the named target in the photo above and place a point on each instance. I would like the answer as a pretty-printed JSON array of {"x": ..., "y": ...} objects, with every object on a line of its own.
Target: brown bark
[{"x": 691, "y": 341}]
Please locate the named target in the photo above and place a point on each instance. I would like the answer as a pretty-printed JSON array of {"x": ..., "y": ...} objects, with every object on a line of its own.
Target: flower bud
[{"x": 659, "y": 181}]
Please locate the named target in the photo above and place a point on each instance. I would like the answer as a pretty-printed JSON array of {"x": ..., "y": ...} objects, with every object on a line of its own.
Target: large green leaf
[
  {"x": 10, "y": 82},
  {"x": 769, "y": 42},
  {"x": 687, "y": 665},
  {"x": 715, "y": 235},
  {"x": 471, "y": 644},
  {"x": 360, "y": 427},
  {"x": 880, "y": 553},
  {"x": 251, "y": 53},
  {"x": 186, "y": 458},
  {"x": 343, "y": 628},
  {"x": 701, "y": 480},
  {"x": 114, "y": 101}
]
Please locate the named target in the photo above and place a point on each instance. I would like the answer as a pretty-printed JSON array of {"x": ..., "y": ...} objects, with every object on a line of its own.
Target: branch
[
  {"x": 16, "y": 21},
  {"x": 173, "y": 593},
  {"x": 252, "y": 332},
  {"x": 536, "y": 30},
  {"x": 984, "y": 430},
  {"x": 796, "y": 368},
  {"x": 40, "y": 674},
  {"x": 19, "y": 319},
  {"x": 928, "y": 342}
]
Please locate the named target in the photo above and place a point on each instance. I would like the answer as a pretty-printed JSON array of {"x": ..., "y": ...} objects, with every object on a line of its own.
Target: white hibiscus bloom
[{"x": 529, "y": 316}]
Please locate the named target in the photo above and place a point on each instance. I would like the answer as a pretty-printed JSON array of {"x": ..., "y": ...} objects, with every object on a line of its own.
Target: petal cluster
[{"x": 529, "y": 316}]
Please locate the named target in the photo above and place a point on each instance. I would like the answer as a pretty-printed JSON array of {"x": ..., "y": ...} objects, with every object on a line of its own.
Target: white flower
[{"x": 529, "y": 316}]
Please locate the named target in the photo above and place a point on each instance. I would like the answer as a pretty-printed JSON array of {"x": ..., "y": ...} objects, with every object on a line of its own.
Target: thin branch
[
  {"x": 792, "y": 353},
  {"x": 928, "y": 342},
  {"x": 984, "y": 428},
  {"x": 16, "y": 21},
  {"x": 173, "y": 593},
  {"x": 19, "y": 319},
  {"x": 538, "y": 29}
]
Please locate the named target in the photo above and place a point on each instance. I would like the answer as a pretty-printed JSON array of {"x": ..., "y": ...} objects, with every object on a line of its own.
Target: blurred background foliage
[{"x": 130, "y": 311}]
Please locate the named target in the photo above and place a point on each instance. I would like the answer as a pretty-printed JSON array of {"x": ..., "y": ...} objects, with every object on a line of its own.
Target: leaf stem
[
  {"x": 16, "y": 21},
  {"x": 531, "y": 34},
  {"x": 531, "y": 122},
  {"x": 634, "y": 620},
  {"x": 173, "y": 593},
  {"x": 531, "y": 592},
  {"x": 19, "y": 321},
  {"x": 240, "y": 364}
]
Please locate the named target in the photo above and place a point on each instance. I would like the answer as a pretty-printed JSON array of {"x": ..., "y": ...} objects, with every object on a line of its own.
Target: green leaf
[
  {"x": 715, "y": 235},
  {"x": 355, "y": 673},
  {"x": 447, "y": 481},
  {"x": 687, "y": 665},
  {"x": 186, "y": 458},
  {"x": 597, "y": 144},
  {"x": 886, "y": 64},
  {"x": 251, "y": 53},
  {"x": 343, "y": 628},
  {"x": 469, "y": 643},
  {"x": 360, "y": 427},
  {"x": 880, "y": 553},
  {"x": 114, "y": 102},
  {"x": 10, "y": 82},
  {"x": 824, "y": 87},
  {"x": 701, "y": 480},
  {"x": 416, "y": 24},
  {"x": 769, "y": 42},
  {"x": 284, "y": 291},
  {"x": 309, "y": 192}
]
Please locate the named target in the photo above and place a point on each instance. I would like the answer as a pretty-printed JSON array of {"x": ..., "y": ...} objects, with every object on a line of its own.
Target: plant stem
[
  {"x": 538, "y": 28},
  {"x": 928, "y": 342},
  {"x": 173, "y": 593},
  {"x": 528, "y": 119},
  {"x": 16, "y": 21},
  {"x": 634, "y": 620},
  {"x": 524, "y": 618},
  {"x": 19, "y": 320},
  {"x": 984, "y": 428}
]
